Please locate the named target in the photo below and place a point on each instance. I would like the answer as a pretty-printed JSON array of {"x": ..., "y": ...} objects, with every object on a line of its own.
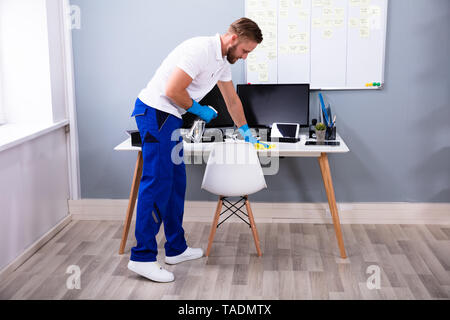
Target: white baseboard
[
  {"x": 349, "y": 213},
  {"x": 34, "y": 248}
]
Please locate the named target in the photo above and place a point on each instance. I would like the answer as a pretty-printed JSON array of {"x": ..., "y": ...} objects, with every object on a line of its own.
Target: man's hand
[
  {"x": 248, "y": 137},
  {"x": 204, "y": 112}
]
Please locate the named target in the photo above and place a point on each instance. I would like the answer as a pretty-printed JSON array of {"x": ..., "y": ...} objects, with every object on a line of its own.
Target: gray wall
[{"x": 399, "y": 137}]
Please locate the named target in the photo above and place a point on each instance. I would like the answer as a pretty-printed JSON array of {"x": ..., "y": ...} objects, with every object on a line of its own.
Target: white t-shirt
[{"x": 201, "y": 58}]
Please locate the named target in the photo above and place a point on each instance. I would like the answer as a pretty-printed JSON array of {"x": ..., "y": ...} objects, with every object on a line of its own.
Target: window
[{"x": 25, "y": 62}]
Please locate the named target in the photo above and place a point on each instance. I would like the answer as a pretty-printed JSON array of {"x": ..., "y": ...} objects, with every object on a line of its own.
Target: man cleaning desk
[{"x": 189, "y": 72}]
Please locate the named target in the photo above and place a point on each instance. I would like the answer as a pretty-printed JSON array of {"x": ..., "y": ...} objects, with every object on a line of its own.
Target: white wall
[{"x": 34, "y": 189}]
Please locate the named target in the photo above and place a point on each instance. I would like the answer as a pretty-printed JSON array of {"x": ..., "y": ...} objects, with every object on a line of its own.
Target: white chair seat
[{"x": 233, "y": 170}]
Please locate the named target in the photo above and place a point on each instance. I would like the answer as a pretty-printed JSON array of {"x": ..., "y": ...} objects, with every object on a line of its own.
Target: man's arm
[
  {"x": 233, "y": 102},
  {"x": 176, "y": 91},
  {"x": 176, "y": 88}
]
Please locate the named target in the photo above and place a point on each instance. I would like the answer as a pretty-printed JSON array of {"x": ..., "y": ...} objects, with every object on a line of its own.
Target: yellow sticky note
[
  {"x": 364, "y": 23},
  {"x": 263, "y": 76},
  {"x": 353, "y": 23},
  {"x": 327, "y": 34},
  {"x": 284, "y": 49},
  {"x": 303, "y": 48},
  {"x": 339, "y": 12},
  {"x": 317, "y": 3},
  {"x": 292, "y": 49},
  {"x": 252, "y": 67},
  {"x": 297, "y": 3},
  {"x": 272, "y": 55},
  {"x": 364, "y": 32},
  {"x": 338, "y": 22},
  {"x": 327, "y": 12},
  {"x": 284, "y": 4},
  {"x": 262, "y": 67},
  {"x": 364, "y": 11},
  {"x": 252, "y": 4},
  {"x": 317, "y": 23}
]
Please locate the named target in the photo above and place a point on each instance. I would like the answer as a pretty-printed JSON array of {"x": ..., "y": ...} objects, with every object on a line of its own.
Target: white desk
[{"x": 282, "y": 150}]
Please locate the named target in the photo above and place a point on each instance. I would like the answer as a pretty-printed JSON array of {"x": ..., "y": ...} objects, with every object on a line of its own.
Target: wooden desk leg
[
  {"x": 132, "y": 201},
  {"x": 328, "y": 182}
]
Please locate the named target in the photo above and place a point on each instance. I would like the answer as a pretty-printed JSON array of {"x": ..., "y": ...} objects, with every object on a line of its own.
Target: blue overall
[{"x": 163, "y": 185}]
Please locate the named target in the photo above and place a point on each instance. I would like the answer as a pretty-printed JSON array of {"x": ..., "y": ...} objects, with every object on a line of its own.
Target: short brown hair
[{"x": 246, "y": 28}]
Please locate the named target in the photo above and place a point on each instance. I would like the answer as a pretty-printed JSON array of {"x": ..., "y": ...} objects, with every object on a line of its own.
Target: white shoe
[
  {"x": 189, "y": 254},
  {"x": 151, "y": 270}
]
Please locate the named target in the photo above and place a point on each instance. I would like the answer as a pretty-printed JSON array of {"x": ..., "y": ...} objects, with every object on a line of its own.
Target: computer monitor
[
  {"x": 214, "y": 99},
  {"x": 265, "y": 104}
]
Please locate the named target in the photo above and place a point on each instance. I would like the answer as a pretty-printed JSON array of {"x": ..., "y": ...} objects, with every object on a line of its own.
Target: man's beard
[{"x": 231, "y": 55}]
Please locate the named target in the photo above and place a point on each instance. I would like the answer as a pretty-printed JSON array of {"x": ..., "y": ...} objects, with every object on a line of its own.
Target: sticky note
[
  {"x": 364, "y": 32},
  {"x": 262, "y": 67},
  {"x": 375, "y": 10},
  {"x": 303, "y": 48},
  {"x": 284, "y": 4},
  {"x": 272, "y": 55},
  {"x": 252, "y": 67},
  {"x": 327, "y": 12},
  {"x": 317, "y": 23},
  {"x": 364, "y": 23},
  {"x": 339, "y": 12},
  {"x": 252, "y": 4},
  {"x": 263, "y": 76},
  {"x": 364, "y": 11},
  {"x": 297, "y": 3},
  {"x": 317, "y": 3},
  {"x": 327, "y": 34},
  {"x": 284, "y": 49},
  {"x": 338, "y": 22},
  {"x": 292, "y": 49},
  {"x": 353, "y": 23}
]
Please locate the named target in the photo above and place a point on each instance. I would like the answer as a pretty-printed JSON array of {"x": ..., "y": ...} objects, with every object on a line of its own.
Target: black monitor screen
[
  {"x": 215, "y": 100},
  {"x": 265, "y": 104}
]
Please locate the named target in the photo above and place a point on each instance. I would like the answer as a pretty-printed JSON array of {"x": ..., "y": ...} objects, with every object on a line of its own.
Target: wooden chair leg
[
  {"x": 328, "y": 183},
  {"x": 132, "y": 201},
  {"x": 253, "y": 226},
  {"x": 214, "y": 226}
]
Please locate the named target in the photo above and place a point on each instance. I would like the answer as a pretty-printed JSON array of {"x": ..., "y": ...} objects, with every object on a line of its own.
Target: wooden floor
[{"x": 300, "y": 261}]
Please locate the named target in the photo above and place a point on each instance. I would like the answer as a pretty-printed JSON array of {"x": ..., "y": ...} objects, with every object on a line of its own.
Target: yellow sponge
[{"x": 262, "y": 146}]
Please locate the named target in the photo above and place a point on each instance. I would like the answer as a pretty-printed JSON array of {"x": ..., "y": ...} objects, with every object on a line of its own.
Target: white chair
[{"x": 233, "y": 170}]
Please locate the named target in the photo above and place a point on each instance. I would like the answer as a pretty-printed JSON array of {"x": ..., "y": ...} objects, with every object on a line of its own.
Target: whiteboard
[{"x": 331, "y": 44}]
